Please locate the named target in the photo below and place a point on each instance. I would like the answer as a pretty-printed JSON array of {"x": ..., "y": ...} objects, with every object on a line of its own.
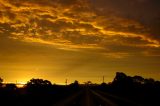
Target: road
[{"x": 88, "y": 97}]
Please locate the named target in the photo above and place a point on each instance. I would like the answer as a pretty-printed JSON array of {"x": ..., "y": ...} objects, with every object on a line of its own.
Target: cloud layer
[{"x": 115, "y": 28}]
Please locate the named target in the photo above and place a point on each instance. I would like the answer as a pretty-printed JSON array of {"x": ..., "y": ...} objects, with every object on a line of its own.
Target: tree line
[{"x": 40, "y": 92}]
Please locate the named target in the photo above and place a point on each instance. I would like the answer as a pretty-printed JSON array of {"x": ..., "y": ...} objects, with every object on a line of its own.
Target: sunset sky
[{"x": 79, "y": 39}]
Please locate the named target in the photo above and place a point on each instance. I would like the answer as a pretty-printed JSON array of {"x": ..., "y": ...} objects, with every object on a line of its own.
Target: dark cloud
[{"x": 144, "y": 11}]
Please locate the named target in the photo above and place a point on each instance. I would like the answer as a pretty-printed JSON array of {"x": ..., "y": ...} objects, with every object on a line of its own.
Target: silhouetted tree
[
  {"x": 122, "y": 79},
  {"x": 103, "y": 84},
  {"x": 1, "y": 80},
  {"x": 120, "y": 76},
  {"x": 157, "y": 83},
  {"x": 38, "y": 85},
  {"x": 149, "y": 81},
  {"x": 138, "y": 79},
  {"x": 88, "y": 82},
  {"x": 122, "y": 83},
  {"x": 38, "y": 82},
  {"x": 75, "y": 83},
  {"x": 11, "y": 87}
]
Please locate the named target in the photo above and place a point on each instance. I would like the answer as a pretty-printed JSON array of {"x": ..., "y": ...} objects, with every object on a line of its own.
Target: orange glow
[
  {"x": 20, "y": 85},
  {"x": 80, "y": 40}
]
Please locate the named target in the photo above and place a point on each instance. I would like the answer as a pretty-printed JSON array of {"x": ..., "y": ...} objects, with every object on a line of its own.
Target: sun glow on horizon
[{"x": 79, "y": 40}]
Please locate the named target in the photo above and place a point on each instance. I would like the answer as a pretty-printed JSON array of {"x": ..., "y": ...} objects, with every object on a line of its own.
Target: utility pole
[
  {"x": 66, "y": 81},
  {"x": 103, "y": 79}
]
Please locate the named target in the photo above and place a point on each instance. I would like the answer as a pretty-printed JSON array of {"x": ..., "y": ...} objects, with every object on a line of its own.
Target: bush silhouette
[{"x": 38, "y": 85}]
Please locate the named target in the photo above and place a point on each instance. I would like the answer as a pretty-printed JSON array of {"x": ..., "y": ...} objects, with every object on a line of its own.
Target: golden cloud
[{"x": 70, "y": 24}]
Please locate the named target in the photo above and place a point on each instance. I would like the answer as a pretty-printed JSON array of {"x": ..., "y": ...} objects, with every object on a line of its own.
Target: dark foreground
[
  {"x": 88, "y": 97},
  {"x": 123, "y": 91}
]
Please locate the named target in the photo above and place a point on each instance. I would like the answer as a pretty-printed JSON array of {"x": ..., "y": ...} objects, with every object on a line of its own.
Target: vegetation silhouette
[
  {"x": 136, "y": 88},
  {"x": 123, "y": 89}
]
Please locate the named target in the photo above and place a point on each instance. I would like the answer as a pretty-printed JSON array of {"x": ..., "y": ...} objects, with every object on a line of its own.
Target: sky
[{"x": 80, "y": 40}]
